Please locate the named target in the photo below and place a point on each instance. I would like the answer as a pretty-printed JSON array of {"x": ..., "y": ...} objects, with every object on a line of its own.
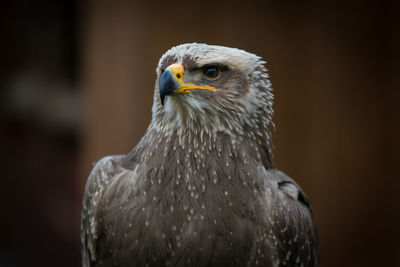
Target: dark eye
[{"x": 210, "y": 72}]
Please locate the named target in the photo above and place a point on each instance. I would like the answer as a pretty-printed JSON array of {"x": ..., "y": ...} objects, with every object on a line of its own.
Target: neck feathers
[{"x": 195, "y": 148}]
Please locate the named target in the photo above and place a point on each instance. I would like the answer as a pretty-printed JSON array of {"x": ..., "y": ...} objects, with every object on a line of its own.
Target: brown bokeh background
[{"x": 77, "y": 82}]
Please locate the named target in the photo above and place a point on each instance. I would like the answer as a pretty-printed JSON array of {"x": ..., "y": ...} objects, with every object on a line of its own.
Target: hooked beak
[{"x": 171, "y": 82}]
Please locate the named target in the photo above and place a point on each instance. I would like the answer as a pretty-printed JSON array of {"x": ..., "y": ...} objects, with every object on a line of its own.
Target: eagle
[{"x": 200, "y": 188}]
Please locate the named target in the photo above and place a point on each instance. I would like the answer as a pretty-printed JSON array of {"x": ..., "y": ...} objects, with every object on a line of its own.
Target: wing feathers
[
  {"x": 99, "y": 178},
  {"x": 291, "y": 220}
]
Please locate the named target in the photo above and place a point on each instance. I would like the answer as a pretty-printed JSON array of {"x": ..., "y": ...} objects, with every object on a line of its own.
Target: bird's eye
[{"x": 210, "y": 72}]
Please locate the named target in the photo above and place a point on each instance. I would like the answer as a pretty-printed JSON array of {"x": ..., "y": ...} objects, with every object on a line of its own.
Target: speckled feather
[{"x": 199, "y": 189}]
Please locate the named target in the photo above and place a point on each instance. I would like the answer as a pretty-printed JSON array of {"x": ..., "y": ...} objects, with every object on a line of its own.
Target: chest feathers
[{"x": 189, "y": 194}]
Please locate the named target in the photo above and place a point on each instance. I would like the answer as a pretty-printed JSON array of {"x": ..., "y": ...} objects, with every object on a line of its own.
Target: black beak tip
[{"x": 168, "y": 84}]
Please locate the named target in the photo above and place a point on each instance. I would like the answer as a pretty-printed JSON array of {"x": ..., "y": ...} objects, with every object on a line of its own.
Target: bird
[{"x": 200, "y": 188}]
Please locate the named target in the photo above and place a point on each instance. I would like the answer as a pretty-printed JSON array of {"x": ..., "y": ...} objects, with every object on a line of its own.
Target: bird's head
[{"x": 217, "y": 88}]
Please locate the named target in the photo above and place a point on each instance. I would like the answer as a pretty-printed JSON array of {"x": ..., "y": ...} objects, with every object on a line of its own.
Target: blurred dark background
[{"x": 77, "y": 78}]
